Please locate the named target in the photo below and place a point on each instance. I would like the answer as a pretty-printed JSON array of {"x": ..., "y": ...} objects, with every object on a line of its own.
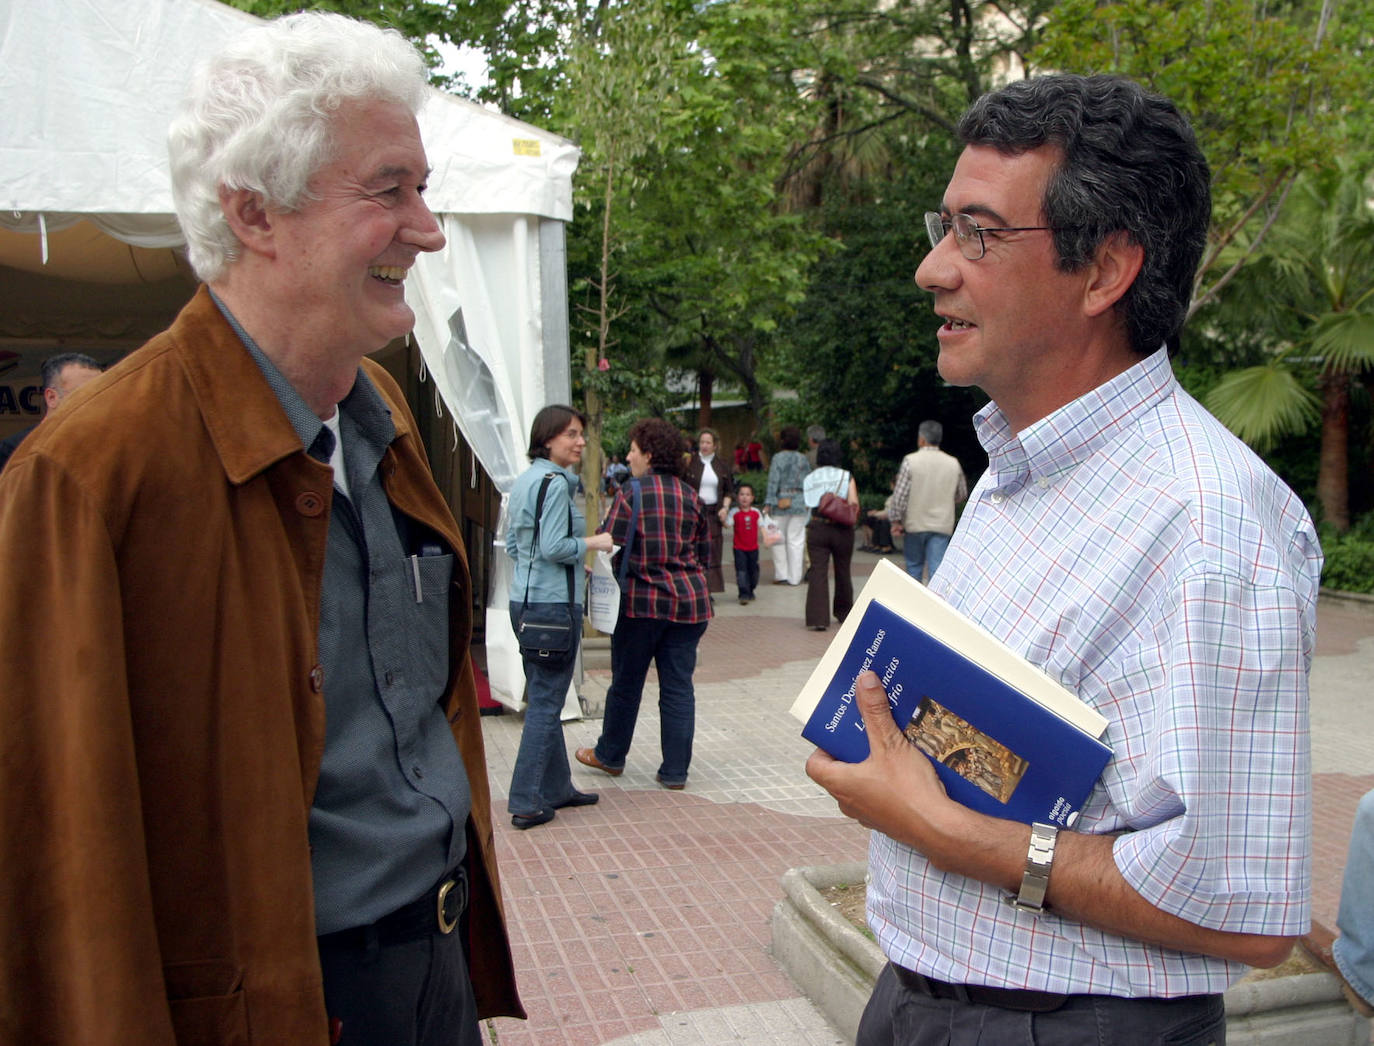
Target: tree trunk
[
  {"x": 1333, "y": 469},
  {"x": 592, "y": 457},
  {"x": 706, "y": 383}
]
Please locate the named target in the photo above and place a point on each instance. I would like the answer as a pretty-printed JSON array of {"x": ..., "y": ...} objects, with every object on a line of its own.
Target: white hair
[{"x": 257, "y": 115}]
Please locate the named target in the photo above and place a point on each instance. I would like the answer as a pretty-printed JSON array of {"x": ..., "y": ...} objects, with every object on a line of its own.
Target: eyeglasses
[{"x": 968, "y": 234}]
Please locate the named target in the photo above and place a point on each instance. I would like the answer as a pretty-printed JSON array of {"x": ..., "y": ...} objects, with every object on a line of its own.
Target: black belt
[
  {"x": 1020, "y": 999},
  {"x": 437, "y": 911}
]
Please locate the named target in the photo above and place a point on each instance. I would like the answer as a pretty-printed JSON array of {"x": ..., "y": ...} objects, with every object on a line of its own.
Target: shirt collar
[{"x": 1061, "y": 441}]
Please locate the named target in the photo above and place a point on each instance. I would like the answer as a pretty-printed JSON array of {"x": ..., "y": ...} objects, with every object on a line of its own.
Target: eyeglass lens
[{"x": 966, "y": 233}]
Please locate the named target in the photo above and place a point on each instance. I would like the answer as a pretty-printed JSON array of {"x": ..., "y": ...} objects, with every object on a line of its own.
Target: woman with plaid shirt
[{"x": 664, "y": 607}]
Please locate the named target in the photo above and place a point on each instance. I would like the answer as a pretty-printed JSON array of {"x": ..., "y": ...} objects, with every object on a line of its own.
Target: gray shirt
[{"x": 392, "y": 798}]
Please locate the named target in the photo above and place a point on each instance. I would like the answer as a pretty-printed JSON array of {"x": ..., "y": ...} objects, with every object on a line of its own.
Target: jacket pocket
[{"x": 206, "y": 1003}]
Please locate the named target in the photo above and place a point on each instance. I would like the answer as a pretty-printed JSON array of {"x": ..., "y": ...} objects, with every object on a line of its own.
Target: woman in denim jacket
[{"x": 542, "y": 782}]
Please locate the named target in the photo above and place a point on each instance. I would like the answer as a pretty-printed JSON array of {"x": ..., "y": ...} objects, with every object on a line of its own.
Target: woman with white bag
[
  {"x": 546, "y": 538},
  {"x": 782, "y": 504}
]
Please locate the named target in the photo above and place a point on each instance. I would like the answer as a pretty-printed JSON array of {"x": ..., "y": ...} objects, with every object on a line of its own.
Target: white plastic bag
[
  {"x": 772, "y": 533},
  {"x": 603, "y": 594}
]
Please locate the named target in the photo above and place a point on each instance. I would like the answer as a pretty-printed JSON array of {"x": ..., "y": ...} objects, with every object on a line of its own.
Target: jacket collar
[{"x": 246, "y": 422}]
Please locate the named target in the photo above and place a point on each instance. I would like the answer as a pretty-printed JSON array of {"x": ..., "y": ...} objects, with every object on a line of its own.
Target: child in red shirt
[{"x": 746, "y": 542}]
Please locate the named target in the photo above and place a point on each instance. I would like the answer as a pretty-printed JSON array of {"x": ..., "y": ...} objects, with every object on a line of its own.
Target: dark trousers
[
  {"x": 747, "y": 571},
  {"x": 825, "y": 540},
  {"x": 898, "y": 1015},
  {"x": 672, "y": 647},
  {"x": 415, "y": 993}
]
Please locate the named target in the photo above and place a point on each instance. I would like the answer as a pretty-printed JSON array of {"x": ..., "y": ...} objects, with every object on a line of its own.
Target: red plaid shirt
[{"x": 667, "y": 579}]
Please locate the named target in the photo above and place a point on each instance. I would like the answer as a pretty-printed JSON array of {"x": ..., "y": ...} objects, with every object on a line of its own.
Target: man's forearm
[
  {"x": 896, "y": 791},
  {"x": 1086, "y": 885}
]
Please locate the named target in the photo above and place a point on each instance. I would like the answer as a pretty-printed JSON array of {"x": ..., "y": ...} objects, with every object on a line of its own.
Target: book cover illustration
[
  {"x": 995, "y": 749},
  {"x": 961, "y": 746}
]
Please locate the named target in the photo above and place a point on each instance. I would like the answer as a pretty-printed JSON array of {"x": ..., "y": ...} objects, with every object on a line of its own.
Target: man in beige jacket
[{"x": 929, "y": 485}]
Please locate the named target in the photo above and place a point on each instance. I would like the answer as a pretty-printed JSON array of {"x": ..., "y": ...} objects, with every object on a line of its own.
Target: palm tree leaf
[
  {"x": 1345, "y": 339},
  {"x": 1260, "y": 404}
]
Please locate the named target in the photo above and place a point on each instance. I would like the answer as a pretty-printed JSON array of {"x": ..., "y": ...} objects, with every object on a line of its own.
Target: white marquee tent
[{"x": 88, "y": 90}]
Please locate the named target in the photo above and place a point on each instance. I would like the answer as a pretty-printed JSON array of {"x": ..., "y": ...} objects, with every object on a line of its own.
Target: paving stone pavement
[{"x": 644, "y": 920}]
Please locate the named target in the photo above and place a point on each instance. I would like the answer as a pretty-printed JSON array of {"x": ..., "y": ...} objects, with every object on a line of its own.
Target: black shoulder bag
[{"x": 546, "y": 631}]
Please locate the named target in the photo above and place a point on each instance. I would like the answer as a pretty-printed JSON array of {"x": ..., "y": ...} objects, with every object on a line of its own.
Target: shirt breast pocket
[{"x": 432, "y": 580}]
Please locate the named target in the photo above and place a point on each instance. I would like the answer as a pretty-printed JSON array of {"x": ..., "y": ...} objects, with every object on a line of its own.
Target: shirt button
[
  {"x": 996, "y": 499},
  {"x": 309, "y": 503},
  {"x": 317, "y": 679}
]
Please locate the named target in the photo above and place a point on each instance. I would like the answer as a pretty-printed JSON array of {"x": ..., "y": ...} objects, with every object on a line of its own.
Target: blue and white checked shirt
[{"x": 1139, "y": 553}]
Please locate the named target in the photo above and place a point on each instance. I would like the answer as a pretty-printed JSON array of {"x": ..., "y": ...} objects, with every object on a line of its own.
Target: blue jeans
[
  {"x": 673, "y": 649},
  {"x": 1354, "y": 948},
  {"x": 542, "y": 778},
  {"x": 924, "y": 549}
]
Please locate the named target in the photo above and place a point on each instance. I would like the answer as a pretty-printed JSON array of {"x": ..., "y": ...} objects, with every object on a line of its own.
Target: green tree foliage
[
  {"x": 1308, "y": 303},
  {"x": 427, "y": 24},
  {"x": 861, "y": 350},
  {"x": 1267, "y": 88},
  {"x": 681, "y": 253}
]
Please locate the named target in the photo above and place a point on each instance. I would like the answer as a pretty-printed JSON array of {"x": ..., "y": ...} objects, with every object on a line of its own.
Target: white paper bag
[{"x": 603, "y": 594}]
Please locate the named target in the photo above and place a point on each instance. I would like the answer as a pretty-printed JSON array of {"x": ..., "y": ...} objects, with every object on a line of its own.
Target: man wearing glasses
[{"x": 1125, "y": 542}]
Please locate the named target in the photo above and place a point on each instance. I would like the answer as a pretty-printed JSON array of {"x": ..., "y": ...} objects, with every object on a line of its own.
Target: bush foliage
[{"x": 1349, "y": 563}]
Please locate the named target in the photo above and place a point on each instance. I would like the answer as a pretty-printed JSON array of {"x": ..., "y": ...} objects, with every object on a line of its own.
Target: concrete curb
[
  {"x": 832, "y": 963},
  {"x": 835, "y": 966},
  {"x": 1335, "y": 595}
]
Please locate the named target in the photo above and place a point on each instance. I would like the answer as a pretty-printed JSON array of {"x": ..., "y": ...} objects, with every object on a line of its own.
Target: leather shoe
[
  {"x": 679, "y": 786},
  {"x": 578, "y": 799},
  {"x": 523, "y": 821},
  {"x": 587, "y": 757}
]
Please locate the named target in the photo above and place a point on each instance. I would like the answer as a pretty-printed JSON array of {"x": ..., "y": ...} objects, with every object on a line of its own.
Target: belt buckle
[{"x": 446, "y": 925}]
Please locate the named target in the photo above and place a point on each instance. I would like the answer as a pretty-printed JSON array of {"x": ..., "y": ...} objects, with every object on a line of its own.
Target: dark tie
[{"x": 323, "y": 447}]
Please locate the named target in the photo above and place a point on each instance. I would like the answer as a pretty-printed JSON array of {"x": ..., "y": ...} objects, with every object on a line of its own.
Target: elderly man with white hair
[{"x": 245, "y": 796}]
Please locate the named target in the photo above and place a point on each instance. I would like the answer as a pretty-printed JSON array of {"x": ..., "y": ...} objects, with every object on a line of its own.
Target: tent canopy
[
  {"x": 85, "y": 201},
  {"x": 92, "y": 86}
]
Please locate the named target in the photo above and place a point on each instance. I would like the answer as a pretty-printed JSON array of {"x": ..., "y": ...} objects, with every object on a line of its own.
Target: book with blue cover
[{"x": 1004, "y": 738}]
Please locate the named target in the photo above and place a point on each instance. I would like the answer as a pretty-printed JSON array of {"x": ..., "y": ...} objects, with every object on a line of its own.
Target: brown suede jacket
[{"x": 162, "y": 541}]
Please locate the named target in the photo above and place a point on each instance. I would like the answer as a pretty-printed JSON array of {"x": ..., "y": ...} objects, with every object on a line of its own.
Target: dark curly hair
[
  {"x": 662, "y": 441},
  {"x": 1129, "y": 164},
  {"x": 789, "y": 438}
]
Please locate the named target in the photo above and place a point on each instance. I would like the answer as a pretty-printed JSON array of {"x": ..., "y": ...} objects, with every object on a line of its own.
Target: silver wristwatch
[{"x": 1036, "y": 878}]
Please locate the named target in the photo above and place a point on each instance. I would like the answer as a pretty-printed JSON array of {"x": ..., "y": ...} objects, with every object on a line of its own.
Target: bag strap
[
  {"x": 534, "y": 540},
  {"x": 624, "y": 570}
]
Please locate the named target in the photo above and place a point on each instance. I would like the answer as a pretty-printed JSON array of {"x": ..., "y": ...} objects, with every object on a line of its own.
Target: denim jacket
[{"x": 562, "y": 536}]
